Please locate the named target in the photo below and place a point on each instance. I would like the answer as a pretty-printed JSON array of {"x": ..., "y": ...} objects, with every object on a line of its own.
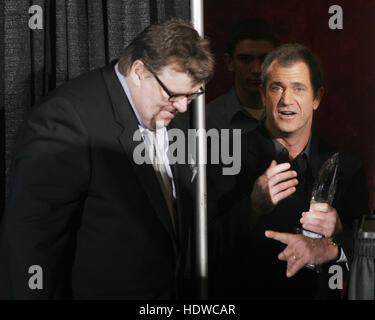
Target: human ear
[
  {"x": 318, "y": 98},
  {"x": 138, "y": 71},
  {"x": 229, "y": 62}
]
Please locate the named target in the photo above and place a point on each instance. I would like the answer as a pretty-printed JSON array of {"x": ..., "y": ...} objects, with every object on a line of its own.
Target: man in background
[
  {"x": 248, "y": 43},
  {"x": 241, "y": 108}
]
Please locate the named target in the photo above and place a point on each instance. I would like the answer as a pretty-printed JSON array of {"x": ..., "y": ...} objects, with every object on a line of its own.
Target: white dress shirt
[{"x": 157, "y": 144}]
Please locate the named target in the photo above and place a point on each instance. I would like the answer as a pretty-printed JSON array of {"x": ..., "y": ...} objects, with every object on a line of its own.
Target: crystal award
[{"x": 323, "y": 191}]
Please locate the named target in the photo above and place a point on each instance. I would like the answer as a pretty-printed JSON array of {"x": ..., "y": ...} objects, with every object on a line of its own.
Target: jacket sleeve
[{"x": 48, "y": 183}]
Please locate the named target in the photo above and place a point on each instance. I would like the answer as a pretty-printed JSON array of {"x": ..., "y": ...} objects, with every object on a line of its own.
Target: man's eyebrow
[
  {"x": 248, "y": 55},
  {"x": 244, "y": 55},
  {"x": 298, "y": 84},
  {"x": 277, "y": 83},
  {"x": 294, "y": 84}
]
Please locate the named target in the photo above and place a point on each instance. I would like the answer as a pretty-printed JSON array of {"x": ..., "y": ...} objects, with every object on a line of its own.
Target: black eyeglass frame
[{"x": 172, "y": 97}]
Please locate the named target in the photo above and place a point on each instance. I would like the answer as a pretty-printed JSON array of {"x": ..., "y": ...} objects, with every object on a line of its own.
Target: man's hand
[
  {"x": 302, "y": 250},
  {"x": 275, "y": 184},
  {"x": 323, "y": 219}
]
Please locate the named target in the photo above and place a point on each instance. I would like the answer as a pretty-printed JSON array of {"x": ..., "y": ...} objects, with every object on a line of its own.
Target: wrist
[{"x": 335, "y": 247}]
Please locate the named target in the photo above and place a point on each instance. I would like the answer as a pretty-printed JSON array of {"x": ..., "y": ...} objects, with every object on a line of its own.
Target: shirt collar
[
  {"x": 127, "y": 92},
  {"x": 279, "y": 148},
  {"x": 235, "y": 108}
]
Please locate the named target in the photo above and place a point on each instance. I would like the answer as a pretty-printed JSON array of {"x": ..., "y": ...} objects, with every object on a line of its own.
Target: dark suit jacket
[
  {"x": 246, "y": 260},
  {"x": 79, "y": 206}
]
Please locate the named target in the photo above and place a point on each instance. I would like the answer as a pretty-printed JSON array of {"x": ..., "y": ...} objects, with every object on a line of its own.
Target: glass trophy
[{"x": 323, "y": 191}]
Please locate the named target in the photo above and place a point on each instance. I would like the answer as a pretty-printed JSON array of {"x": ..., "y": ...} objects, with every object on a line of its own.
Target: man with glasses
[
  {"x": 173, "y": 97},
  {"x": 81, "y": 210}
]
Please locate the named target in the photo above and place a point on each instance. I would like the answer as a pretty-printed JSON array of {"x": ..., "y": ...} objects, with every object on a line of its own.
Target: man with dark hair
[
  {"x": 241, "y": 108},
  {"x": 247, "y": 45},
  {"x": 288, "y": 55},
  {"x": 281, "y": 162},
  {"x": 82, "y": 211}
]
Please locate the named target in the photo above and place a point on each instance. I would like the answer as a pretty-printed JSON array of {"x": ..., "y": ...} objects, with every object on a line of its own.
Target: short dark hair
[
  {"x": 290, "y": 53},
  {"x": 173, "y": 41},
  {"x": 250, "y": 29}
]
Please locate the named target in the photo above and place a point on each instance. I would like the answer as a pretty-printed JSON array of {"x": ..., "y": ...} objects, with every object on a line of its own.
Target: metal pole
[{"x": 196, "y": 9}]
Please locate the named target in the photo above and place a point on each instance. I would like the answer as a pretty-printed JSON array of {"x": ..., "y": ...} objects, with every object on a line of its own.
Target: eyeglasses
[{"x": 173, "y": 97}]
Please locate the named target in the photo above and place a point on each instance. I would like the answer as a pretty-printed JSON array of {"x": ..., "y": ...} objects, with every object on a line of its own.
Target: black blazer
[
  {"x": 244, "y": 262},
  {"x": 82, "y": 209}
]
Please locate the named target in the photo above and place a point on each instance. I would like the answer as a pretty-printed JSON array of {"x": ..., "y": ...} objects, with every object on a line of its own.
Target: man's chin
[{"x": 160, "y": 123}]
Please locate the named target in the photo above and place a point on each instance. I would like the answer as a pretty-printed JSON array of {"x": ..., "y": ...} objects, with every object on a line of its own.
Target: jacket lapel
[
  {"x": 185, "y": 193},
  {"x": 182, "y": 175},
  {"x": 126, "y": 118},
  {"x": 320, "y": 152}
]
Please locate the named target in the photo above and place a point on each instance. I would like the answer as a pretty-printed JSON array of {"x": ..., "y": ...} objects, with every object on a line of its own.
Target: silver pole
[{"x": 196, "y": 9}]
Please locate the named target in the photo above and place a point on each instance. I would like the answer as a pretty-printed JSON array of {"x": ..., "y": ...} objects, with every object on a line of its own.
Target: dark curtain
[{"x": 77, "y": 36}]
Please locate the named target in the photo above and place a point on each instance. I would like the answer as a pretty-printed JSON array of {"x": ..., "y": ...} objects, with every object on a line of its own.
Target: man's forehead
[
  {"x": 253, "y": 47},
  {"x": 178, "y": 80},
  {"x": 297, "y": 69}
]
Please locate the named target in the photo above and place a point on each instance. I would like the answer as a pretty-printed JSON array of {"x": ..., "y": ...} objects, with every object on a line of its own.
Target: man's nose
[
  {"x": 287, "y": 97},
  {"x": 256, "y": 66},
  {"x": 181, "y": 104}
]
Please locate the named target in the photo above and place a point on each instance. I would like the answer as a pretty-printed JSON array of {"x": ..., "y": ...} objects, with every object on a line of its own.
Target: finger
[
  {"x": 273, "y": 164},
  {"x": 272, "y": 170},
  {"x": 294, "y": 266},
  {"x": 320, "y": 206},
  {"x": 283, "y": 186},
  {"x": 286, "y": 254},
  {"x": 326, "y": 220},
  {"x": 281, "y": 256},
  {"x": 315, "y": 219},
  {"x": 318, "y": 215},
  {"x": 315, "y": 228},
  {"x": 323, "y": 223},
  {"x": 279, "y": 236},
  {"x": 283, "y": 176},
  {"x": 283, "y": 194}
]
